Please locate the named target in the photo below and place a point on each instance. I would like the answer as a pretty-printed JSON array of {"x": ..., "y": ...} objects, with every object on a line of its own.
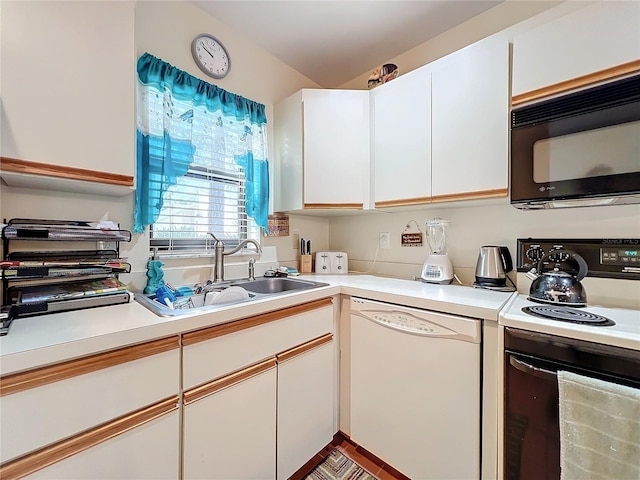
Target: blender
[{"x": 437, "y": 267}]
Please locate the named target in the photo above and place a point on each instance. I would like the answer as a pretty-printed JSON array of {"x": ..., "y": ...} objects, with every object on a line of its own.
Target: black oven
[
  {"x": 578, "y": 149},
  {"x": 531, "y": 414}
]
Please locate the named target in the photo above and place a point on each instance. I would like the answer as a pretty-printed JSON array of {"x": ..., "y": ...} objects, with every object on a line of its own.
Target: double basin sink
[{"x": 215, "y": 295}]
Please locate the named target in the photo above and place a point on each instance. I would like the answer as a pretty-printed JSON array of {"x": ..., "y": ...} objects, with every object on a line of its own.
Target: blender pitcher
[{"x": 437, "y": 267}]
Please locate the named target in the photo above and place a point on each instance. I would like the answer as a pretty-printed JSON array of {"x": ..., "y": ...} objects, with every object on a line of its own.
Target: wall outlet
[
  {"x": 296, "y": 241},
  {"x": 384, "y": 241}
]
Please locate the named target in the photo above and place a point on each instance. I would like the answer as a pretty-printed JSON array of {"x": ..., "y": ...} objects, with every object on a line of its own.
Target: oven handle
[{"x": 531, "y": 370}]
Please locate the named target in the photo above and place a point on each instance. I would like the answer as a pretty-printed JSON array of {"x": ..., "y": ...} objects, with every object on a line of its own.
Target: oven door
[
  {"x": 531, "y": 413},
  {"x": 583, "y": 145}
]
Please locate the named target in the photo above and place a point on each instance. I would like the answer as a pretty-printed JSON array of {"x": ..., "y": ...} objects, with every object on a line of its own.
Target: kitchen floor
[{"x": 366, "y": 460}]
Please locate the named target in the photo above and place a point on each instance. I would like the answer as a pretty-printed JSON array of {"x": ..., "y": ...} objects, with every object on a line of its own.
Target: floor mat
[{"x": 338, "y": 467}]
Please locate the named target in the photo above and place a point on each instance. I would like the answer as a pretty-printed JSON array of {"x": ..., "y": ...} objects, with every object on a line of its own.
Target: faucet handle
[{"x": 252, "y": 262}]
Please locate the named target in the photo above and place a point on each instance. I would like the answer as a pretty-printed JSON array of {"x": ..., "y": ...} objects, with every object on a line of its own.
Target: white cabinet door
[
  {"x": 149, "y": 451},
  {"x": 306, "y": 404},
  {"x": 401, "y": 112},
  {"x": 231, "y": 433},
  {"x": 82, "y": 117},
  {"x": 589, "y": 40},
  {"x": 322, "y": 150},
  {"x": 336, "y": 147},
  {"x": 287, "y": 164},
  {"x": 216, "y": 351},
  {"x": 90, "y": 391},
  {"x": 470, "y": 122}
]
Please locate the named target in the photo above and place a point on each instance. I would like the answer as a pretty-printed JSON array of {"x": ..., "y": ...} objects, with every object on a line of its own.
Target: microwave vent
[{"x": 613, "y": 94}]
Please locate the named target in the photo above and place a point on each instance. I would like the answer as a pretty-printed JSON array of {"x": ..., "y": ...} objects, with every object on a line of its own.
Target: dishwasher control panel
[{"x": 405, "y": 322}]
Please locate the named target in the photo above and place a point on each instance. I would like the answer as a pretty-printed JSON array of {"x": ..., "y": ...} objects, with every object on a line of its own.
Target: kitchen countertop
[{"x": 41, "y": 340}]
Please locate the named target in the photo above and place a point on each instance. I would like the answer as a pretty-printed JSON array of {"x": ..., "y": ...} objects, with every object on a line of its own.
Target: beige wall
[
  {"x": 472, "y": 223},
  {"x": 165, "y": 29},
  {"x": 494, "y": 20}
]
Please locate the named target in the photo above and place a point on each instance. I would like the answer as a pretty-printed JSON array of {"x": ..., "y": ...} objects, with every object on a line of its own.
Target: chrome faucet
[{"x": 218, "y": 268}]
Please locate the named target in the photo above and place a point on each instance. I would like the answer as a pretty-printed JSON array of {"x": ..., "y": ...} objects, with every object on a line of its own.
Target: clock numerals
[{"x": 210, "y": 56}]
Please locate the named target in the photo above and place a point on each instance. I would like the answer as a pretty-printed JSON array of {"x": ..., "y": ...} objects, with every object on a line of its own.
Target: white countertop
[{"x": 46, "y": 339}]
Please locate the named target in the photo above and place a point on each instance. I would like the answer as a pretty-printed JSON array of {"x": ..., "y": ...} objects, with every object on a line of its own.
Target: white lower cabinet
[
  {"x": 148, "y": 451},
  {"x": 306, "y": 404},
  {"x": 230, "y": 433},
  {"x": 100, "y": 416},
  {"x": 260, "y": 397}
]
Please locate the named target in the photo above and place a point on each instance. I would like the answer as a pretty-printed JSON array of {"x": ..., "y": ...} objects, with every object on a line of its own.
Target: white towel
[{"x": 599, "y": 429}]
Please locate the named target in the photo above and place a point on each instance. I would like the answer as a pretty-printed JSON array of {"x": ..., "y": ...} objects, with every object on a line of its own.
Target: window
[{"x": 201, "y": 162}]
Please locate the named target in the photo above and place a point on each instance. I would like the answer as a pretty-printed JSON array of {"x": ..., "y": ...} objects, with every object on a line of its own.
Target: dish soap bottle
[{"x": 155, "y": 274}]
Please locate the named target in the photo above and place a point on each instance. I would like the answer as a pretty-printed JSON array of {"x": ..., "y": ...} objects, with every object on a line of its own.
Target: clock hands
[{"x": 207, "y": 50}]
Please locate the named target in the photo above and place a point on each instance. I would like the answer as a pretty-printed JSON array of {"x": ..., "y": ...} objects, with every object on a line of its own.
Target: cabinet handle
[
  {"x": 235, "y": 326},
  {"x": 39, "y": 459},
  {"x": 18, "y": 382},
  {"x": 214, "y": 386},
  {"x": 305, "y": 347}
]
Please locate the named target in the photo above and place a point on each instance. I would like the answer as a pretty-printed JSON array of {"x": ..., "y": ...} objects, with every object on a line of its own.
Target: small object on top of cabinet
[{"x": 35, "y": 282}]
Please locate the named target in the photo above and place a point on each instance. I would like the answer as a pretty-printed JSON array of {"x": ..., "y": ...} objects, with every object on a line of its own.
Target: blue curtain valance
[
  {"x": 154, "y": 72},
  {"x": 174, "y": 109}
]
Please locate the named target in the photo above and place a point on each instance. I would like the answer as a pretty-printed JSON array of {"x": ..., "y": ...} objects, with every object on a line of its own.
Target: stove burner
[{"x": 567, "y": 314}]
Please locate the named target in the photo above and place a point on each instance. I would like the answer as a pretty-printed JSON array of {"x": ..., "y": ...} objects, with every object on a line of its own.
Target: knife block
[{"x": 305, "y": 264}]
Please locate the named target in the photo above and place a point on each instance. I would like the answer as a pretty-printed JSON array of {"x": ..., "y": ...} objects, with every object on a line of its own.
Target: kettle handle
[
  {"x": 583, "y": 268},
  {"x": 507, "y": 261}
]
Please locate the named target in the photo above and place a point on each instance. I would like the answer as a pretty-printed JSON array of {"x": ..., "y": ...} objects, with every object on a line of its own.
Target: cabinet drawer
[
  {"x": 216, "y": 351},
  {"x": 45, "y": 405},
  {"x": 125, "y": 456}
]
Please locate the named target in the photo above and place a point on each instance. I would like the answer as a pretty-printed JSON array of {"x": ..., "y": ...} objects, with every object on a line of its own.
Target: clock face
[{"x": 211, "y": 56}]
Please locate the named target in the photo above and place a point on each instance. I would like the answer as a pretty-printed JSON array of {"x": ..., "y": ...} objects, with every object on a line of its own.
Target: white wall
[
  {"x": 164, "y": 29},
  {"x": 472, "y": 223},
  {"x": 487, "y": 23}
]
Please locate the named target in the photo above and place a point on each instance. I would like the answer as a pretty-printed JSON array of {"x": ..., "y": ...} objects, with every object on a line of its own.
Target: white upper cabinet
[
  {"x": 401, "y": 127},
  {"x": 595, "y": 38},
  {"x": 470, "y": 122},
  {"x": 80, "y": 82},
  {"x": 322, "y": 150}
]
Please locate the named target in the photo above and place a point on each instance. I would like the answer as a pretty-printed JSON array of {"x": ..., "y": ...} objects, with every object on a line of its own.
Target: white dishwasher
[{"x": 415, "y": 389}]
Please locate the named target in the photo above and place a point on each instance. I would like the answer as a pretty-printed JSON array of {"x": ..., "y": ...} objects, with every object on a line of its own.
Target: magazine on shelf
[{"x": 70, "y": 290}]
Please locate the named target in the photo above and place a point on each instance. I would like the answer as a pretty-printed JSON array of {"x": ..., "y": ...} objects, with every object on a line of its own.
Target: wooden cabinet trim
[
  {"x": 316, "y": 206},
  {"x": 305, "y": 347},
  {"x": 71, "y": 173},
  {"x": 231, "y": 327},
  {"x": 18, "y": 382},
  {"x": 497, "y": 193},
  {"x": 39, "y": 459},
  {"x": 579, "y": 82},
  {"x": 403, "y": 202},
  {"x": 210, "y": 388}
]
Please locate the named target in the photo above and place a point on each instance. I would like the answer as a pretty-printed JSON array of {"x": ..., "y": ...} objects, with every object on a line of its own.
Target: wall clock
[{"x": 211, "y": 56}]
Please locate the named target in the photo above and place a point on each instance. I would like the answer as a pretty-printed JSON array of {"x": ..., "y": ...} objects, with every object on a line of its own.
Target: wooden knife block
[{"x": 305, "y": 264}]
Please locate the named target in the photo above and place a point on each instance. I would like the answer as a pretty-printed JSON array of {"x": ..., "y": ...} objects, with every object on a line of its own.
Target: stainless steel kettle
[
  {"x": 556, "y": 286},
  {"x": 492, "y": 266}
]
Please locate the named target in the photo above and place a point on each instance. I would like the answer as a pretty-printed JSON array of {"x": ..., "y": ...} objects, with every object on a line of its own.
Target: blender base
[{"x": 437, "y": 269}]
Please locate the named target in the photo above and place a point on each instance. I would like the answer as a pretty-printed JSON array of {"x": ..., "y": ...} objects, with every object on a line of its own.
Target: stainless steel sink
[
  {"x": 274, "y": 285},
  {"x": 255, "y": 289}
]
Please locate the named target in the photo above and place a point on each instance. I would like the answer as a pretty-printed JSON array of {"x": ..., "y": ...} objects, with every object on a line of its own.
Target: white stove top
[{"x": 625, "y": 333}]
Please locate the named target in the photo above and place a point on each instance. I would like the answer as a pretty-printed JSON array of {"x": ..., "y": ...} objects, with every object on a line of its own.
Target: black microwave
[{"x": 578, "y": 149}]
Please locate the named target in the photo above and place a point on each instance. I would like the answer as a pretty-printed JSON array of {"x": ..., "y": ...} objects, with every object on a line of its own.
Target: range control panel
[{"x": 606, "y": 258}]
